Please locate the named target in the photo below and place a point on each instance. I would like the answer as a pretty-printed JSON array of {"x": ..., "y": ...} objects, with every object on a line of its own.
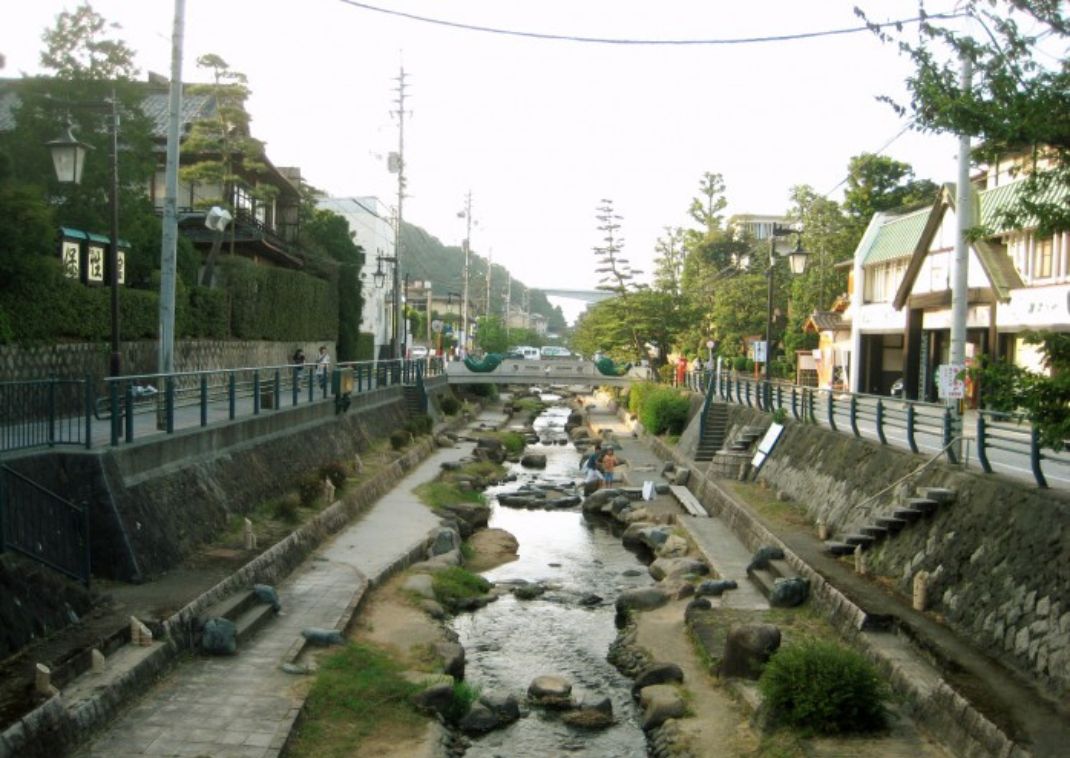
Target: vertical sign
[
  {"x": 120, "y": 261},
  {"x": 95, "y": 264},
  {"x": 72, "y": 259}
]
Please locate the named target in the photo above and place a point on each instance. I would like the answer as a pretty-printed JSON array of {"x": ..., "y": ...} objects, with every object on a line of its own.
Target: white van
[
  {"x": 555, "y": 351},
  {"x": 527, "y": 352}
]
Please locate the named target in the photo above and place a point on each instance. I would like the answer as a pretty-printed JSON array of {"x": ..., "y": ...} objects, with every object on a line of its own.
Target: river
[{"x": 510, "y": 642}]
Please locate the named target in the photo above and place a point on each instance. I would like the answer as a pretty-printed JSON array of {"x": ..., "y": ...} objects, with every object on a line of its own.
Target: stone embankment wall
[
  {"x": 996, "y": 557},
  {"x": 77, "y": 359},
  {"x": 154, "y": 502}
]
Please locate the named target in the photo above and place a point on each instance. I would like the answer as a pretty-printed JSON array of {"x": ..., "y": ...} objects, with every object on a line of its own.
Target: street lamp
[
  {"x": 797, "y": 264},
  {"x": 68, "y": 158},
  {"x": 380, "y": 279}
]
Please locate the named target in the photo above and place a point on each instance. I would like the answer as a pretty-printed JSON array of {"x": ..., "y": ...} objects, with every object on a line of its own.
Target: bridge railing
[{"x": 52, "y": 412}]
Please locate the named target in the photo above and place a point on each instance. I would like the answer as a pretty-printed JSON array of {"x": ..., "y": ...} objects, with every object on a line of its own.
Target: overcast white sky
[{"x": 541, "y": 130}]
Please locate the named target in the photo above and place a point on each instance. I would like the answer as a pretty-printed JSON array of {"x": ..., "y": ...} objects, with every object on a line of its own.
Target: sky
[{"x": 540, "y": 131}]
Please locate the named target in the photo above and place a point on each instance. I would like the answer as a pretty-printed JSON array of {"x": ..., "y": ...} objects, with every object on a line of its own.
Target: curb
[{"x": 942, "y": 710}]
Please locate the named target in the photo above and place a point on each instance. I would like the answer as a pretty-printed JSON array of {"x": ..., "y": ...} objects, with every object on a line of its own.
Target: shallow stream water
[{"x": 510, "y": 642}]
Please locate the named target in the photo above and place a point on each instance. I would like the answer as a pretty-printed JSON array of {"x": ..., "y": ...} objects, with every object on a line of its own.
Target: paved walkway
[{"x": 244, "y": 706}]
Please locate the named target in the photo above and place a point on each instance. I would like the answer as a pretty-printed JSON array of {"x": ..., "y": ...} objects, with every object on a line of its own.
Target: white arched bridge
[{"x": 551, "y": 371}]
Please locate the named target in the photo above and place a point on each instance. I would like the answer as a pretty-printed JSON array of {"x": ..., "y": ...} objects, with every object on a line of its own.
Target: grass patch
[
  {"x": 513, "y": 442},
  {"x": 481, "y": 469},
  {"x": 357, "y": 692},
  {"x": 455, "y": 584},
  {"x": 464, "y": 694},
  {"x": 529, "y": 405},
  {"x": 443, "y": 494},
  {"x": 467, "y": 551},
  {"x": 766, "y": 505}
]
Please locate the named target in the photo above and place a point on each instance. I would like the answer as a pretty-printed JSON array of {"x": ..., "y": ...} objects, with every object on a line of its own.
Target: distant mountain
[{"x": 424, "y": 257}]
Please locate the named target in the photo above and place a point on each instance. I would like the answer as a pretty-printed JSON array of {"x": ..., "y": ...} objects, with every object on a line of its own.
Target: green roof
[
  {"x": 897, "y": 237},
  {"x": 998, "y": 199}
]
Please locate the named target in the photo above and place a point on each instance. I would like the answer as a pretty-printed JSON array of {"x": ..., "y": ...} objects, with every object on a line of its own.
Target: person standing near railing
[
  {"x": 323, "y": 366},
  {"x": 298, "y": 361}
]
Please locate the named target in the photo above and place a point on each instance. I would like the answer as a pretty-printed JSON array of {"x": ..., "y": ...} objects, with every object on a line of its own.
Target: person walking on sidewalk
[{"x": 323, "y": 366}]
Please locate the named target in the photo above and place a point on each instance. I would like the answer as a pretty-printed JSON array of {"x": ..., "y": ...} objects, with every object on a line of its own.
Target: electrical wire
[
  {"x": 665, "y": 42},
  {"x": 879, "y": 151}
]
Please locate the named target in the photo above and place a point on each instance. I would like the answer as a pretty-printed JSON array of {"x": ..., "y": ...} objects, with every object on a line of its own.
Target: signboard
[
  {"x": 121, "y": 263},
  {"x": 436, "y": 325},
  {"x": 759, "y": 351},
  {"x": 949, "y": 386},
  {"x": 95, "y": 264},
  {"x": 72, "y": 259},
  {"x": 765, "y": 447}
]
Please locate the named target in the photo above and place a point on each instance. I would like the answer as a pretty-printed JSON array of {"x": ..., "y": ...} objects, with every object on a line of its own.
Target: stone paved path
[{"x": 244, "y": 706}]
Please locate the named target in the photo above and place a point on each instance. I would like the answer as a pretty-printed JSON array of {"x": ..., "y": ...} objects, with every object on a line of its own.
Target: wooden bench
[{"x": 688, "y": 501}]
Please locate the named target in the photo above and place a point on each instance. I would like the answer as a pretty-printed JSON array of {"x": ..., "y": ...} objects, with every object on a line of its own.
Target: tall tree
[
  {"x": 615, "y": 272},
  {"x": 79, "y": 46},
  {"x": 706, "y": 210},
  {"x": 879, "y": 183},
  {"x": 669, "y": 261}
]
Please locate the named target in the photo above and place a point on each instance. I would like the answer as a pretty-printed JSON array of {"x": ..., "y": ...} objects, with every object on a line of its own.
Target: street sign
[
  {"x": 436, "y": 325},
  {"x": 759, "y": 351},
  {"x": 710, "y": 344}
]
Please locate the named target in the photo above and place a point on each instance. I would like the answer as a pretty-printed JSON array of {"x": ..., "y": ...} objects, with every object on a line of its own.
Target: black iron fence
[
  {"x": 996, "y": 442},
  {"x": 40, "y": 524},
  {"x": 44, "y": 413}
]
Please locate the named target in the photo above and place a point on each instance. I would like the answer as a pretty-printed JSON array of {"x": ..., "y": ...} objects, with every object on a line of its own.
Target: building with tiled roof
[{"x": 900, "y": 313}]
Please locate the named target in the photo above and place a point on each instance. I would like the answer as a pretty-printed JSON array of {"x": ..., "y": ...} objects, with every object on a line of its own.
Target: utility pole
[
  {"x": 508, "y": 302},
  {"x": 467, "y": 251},
  {"x": 961, "y": 261},
  {"x": 395, "y": 349},
  {"x": 165, "y": 363},
  {"x": 490, "y": 265}
]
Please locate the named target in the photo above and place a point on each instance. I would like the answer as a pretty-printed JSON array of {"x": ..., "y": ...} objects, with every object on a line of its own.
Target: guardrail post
[
  {"x": 853, "y": 414},
  {"x": 232, "y": 395},
  {"x": 910, "y": 428},
  {"x": 128, "y": 410},
  {"x": 51, "y": 411},
  {"x": 311, "y": 388},
  {"x": 88, "y": 415},
  {"x": 949, "y": 436},
  {"x": 116, "y": 412},
  {"x": 794, "y": 403},
  {"x": 296, "y": 388},
  {"x": 982, "y": 453},
  {"x": 1035, "y": 456},
  {"x": 360, "y": 378},
  {"x": 169, "y": 406},
  {"x": 780, "y": 396},
  {"x": 256, "y": 393},
  {"x": 278, "y": 390},
  {"x": 880, "y": 421},
  {"x": 204, "y": 400},
  {"x": 832, "y": 411},
  {"x": 749, "y": 404}
]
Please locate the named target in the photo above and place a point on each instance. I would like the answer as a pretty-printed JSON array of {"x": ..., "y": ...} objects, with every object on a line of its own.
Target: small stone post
[
  {"x": 144, "y": 636},
  {"x": 250, "y": 536},
  {"x": 822, "y": 530},
  {"x": 358, "y": 463},
  {"x": 43, "y": 681},
  {"x": 921, "y": 590},
  {"x": 135, "y": 631},
  {"x": 328, "y": 491},
  {"x": 860, "y": 561},
  {"x": 99, "y": 662}
]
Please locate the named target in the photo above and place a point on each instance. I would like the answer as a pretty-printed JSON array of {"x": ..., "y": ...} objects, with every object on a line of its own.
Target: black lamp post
[
  {"x": 68, "y": 158},
  {"x": 380, "y": 279},
  {"x": 797, "y": 264}
]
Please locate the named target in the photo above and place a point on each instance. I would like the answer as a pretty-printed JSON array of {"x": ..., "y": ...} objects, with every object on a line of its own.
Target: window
[{"x": 1042, "y": 259}]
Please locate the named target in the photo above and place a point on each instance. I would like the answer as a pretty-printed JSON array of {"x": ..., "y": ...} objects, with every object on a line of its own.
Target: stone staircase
[
  {"x": 765, "y": 577},
  {"x": 746, "y": 438},
  {"x": 248, "y": 612},
  {"x": 414, "y": 404},
  {"x": 888, "y": 525},
  {"x": 714, "y": 433}
]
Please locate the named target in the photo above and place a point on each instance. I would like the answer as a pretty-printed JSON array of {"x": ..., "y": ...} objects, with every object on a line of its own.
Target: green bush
[
  {"x": 399, "y": 438},
  {"x": 454, "y": 584},
  {"x": 421, "y": 424},
  {"x": 365, "y": 346},
  {"x": 464, "y": 695},
  {"x": 336, "y": 472},
  {"x": 309, "y": 487},
  {"x": 209, "y": 312},
  {"x": 285, "y": 508},
  {"x": 740, "y": 363},
  {"x": 821, "y": 687},
  {"x": 664, "y": 410},
  {"x": 637, "y": 394},
  {"x": 513, "y": 442},
  {"x": 449, "y": 405}
]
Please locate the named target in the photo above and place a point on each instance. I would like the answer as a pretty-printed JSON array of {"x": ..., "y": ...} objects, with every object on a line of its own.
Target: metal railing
[
  {"x": 1002, "y": 443},
  {"x": 41, "y": 525},
  {"x": 57, "y": 411}
]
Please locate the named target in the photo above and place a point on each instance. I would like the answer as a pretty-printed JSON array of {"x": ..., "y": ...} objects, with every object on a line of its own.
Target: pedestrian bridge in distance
[{"x": 550, "y": 371}]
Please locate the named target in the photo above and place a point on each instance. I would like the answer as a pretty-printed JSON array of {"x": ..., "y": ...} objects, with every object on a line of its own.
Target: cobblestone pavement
[{"x": 244, "y": 706}]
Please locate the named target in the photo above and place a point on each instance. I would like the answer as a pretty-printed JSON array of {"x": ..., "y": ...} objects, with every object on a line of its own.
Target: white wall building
[{"x": 370, "y": 222}]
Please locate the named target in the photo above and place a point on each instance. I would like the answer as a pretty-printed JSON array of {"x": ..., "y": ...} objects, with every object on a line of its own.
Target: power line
[
  {"x": 879, "y": 151},
  {"x": 625, "y": 41}
]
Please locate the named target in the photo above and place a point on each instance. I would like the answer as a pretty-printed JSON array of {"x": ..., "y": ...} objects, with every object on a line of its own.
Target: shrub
[
  {"x": 739, "y": 363},
  {"x": 513, "y": 442},
  {"x": 464, "y": 695},
  {"x": 418, "y": 425},
  {"x": 664, "y": 410},
  {"x": 285, "y": 508},
  {"x": 449, "y": 405},
  {"x": 309, "y": 487},
  {"x": 780, "y": 415},
  {"x": 821, "y": 687},
  {"x": 399, "y": 438},
  {"x": 336, "y": 472},
  {"x": 637, "y": 396}
]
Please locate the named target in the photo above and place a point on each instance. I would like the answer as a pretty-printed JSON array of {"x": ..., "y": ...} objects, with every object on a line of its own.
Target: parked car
[
  {"x": 418, "y": 352},
  {"x": 555, "y": 351},
  {"x": 526, "y": 352}
]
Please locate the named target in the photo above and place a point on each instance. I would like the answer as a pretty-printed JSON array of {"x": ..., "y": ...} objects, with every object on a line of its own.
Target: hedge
[
  {"x": 664, "y": 409},
  {"x": 278, "y": 304}
]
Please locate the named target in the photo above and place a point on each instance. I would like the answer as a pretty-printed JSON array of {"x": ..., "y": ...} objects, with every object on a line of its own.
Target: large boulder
[
  {"x": 674, "y": 547},
  {"x": 660, "y": 702},
  {"x": 443, "y": 541},
  {"x": 533, "y": 460},
  {"x": 634, "y": 536},
  {"x": 748, "y": 648},
  {"x": 763, "y": 555},
  {"x": 468, "y": 516},
  {"x": 641, "y": 599},
  {"x": 657, "y": 673},
  {"x": 436, "y": 698},
  {"x": 676, "y": 568},
  {"x": 681, "y": 476},
  {"x": 550, "y": 692},
  {"x": 715, "y": 587},
  {"x": 654, "y": 536},
  {"x": 479, "y": 719},
  {"x": 452, "y": 656},
  {"x": 599, "y": 498},
  {"x": 421, "y": 585},
  {"x": 591, "y": 713},
  {"x": 219, "y": 637},
  {"x": 789, "y": 592},
  {"x": 504, "y": 705}
]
